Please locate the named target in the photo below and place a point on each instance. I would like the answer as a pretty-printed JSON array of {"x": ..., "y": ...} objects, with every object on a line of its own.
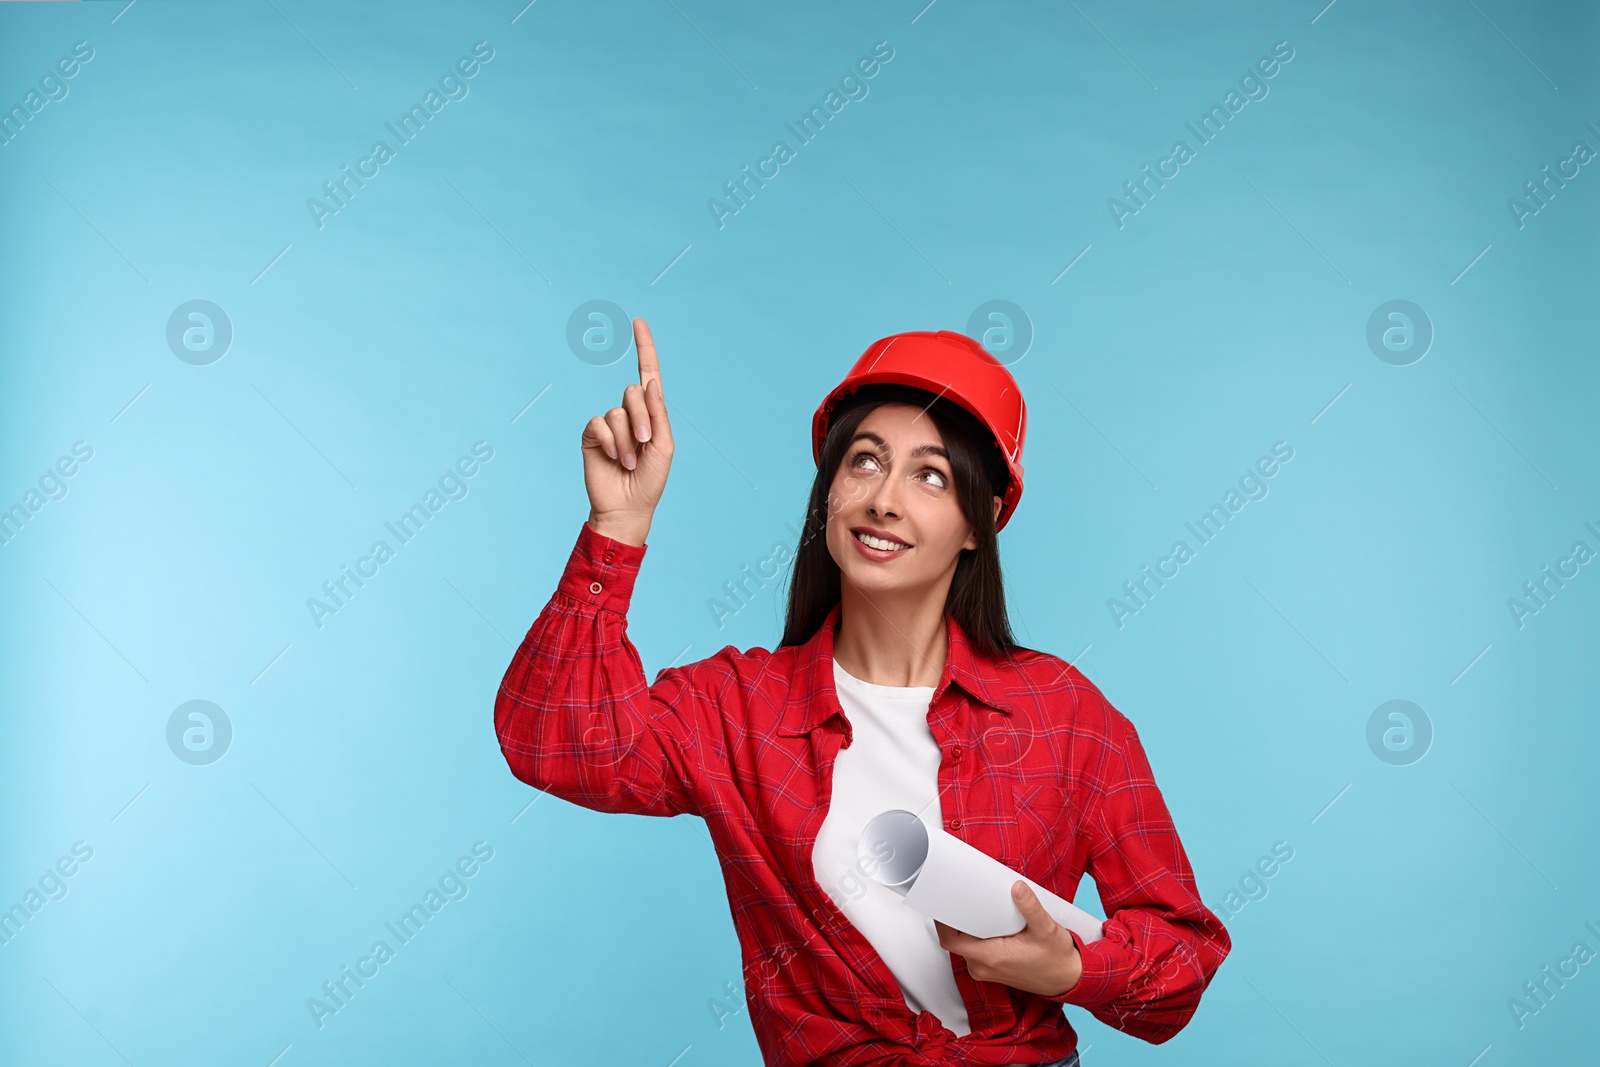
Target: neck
[{"x": 892, "y": 641}]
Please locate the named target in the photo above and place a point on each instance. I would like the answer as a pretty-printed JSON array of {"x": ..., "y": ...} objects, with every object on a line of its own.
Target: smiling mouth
[{"x": 882, "y": 544}]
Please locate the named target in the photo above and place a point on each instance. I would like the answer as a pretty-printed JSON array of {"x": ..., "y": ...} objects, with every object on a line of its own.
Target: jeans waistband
[{"x": 1071, "y": 1060}]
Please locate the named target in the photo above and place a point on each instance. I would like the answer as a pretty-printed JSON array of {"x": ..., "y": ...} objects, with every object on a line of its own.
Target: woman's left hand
[{"x": 1040, "y": 958}]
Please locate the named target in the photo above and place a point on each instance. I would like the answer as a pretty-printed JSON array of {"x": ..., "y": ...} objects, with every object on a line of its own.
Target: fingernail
[
  {"x": 644, "y": 435},
  {"x": 628, "y": 461}
]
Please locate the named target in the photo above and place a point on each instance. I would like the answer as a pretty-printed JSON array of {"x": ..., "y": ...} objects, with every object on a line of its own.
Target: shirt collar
[{"x": 806, "y": 708}]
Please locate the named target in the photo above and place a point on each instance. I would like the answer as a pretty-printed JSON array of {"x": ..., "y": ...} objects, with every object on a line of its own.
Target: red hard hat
[{"x": 953, "y": 366}]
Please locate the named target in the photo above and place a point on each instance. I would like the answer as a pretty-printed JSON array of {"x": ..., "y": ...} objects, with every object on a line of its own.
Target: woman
[{"x": 896, "y": 684}]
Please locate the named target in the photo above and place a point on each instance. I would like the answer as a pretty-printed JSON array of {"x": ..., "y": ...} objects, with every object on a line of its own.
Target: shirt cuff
[
  {"x": 1097, "y": 985},
  {"x": 601, "y": 571}
]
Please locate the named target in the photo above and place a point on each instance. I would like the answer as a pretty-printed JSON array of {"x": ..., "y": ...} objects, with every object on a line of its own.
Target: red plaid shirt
[{"x": 1039, "y": 771}]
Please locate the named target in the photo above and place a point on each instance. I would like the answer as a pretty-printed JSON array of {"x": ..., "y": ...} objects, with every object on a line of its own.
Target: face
[{"x": 896, "y": 481}]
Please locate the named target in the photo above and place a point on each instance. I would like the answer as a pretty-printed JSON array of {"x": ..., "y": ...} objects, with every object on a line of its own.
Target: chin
[{"x": 863, "y": 574}]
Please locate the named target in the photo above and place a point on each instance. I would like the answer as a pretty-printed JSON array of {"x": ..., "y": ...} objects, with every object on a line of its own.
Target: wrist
[
  {"x": 1071, "y": 970},
  {"x": 1074, "y": 973},
  {"x": 630, "y": 530}
]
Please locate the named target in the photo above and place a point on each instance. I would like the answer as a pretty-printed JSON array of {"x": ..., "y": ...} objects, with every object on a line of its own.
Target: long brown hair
[{"x": 977, "y": 596}]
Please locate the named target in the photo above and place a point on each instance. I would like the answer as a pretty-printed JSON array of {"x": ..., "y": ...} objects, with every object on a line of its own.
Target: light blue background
[{"x": 1228, "y": 314}]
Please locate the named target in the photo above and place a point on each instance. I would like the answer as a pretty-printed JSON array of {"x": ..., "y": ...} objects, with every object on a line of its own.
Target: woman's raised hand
[{"x": 628, "y": 451}]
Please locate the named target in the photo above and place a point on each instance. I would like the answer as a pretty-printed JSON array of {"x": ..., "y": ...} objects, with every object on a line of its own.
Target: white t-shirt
[{"x": 892, "y": 762}]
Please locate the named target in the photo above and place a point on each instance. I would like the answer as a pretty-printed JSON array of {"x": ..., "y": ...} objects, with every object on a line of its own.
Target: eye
[
  {"x": 941, "y": 481},
  {"x": 855, "y": 460}
]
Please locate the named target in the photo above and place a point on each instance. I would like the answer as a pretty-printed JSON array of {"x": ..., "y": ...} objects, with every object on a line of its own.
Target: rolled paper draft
[{"x": 947, "y": 879}]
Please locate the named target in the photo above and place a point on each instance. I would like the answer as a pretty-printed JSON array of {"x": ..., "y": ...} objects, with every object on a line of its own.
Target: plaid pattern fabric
[{"x": 1040, "y": 772}]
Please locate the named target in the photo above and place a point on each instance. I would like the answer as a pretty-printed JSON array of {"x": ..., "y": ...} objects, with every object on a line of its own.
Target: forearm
[
  {"x": 1147, "y": 975},
  {"x": 574, "y": 715},
  {"x": 1161, "y": 944}
]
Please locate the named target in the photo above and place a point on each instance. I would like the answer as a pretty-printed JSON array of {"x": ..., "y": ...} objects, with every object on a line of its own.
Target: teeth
[{"x": 878, "y": 542}]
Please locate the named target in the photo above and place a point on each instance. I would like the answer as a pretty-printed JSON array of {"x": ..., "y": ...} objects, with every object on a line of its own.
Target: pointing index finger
[{"x": 649, "y": 365}]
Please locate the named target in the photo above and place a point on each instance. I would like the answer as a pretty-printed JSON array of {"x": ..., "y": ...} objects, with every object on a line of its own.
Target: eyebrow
[{"x": 920, "y": 450}]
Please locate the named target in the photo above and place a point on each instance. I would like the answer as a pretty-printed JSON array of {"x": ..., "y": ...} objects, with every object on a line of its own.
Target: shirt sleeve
[
  {"x": 574, "y": 715},
  {"x": 1161, "y": 945}
]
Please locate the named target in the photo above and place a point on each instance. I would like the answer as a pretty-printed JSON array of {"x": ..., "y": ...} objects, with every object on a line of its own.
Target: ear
[{"x": 972, "y": 539}]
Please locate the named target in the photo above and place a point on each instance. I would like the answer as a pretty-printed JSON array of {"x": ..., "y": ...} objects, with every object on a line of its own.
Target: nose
[{"x": 885, "y": 498}]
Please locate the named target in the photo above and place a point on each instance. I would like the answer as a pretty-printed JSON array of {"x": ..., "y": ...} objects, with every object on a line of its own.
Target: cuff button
[{"x": 594, "y": 587}]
